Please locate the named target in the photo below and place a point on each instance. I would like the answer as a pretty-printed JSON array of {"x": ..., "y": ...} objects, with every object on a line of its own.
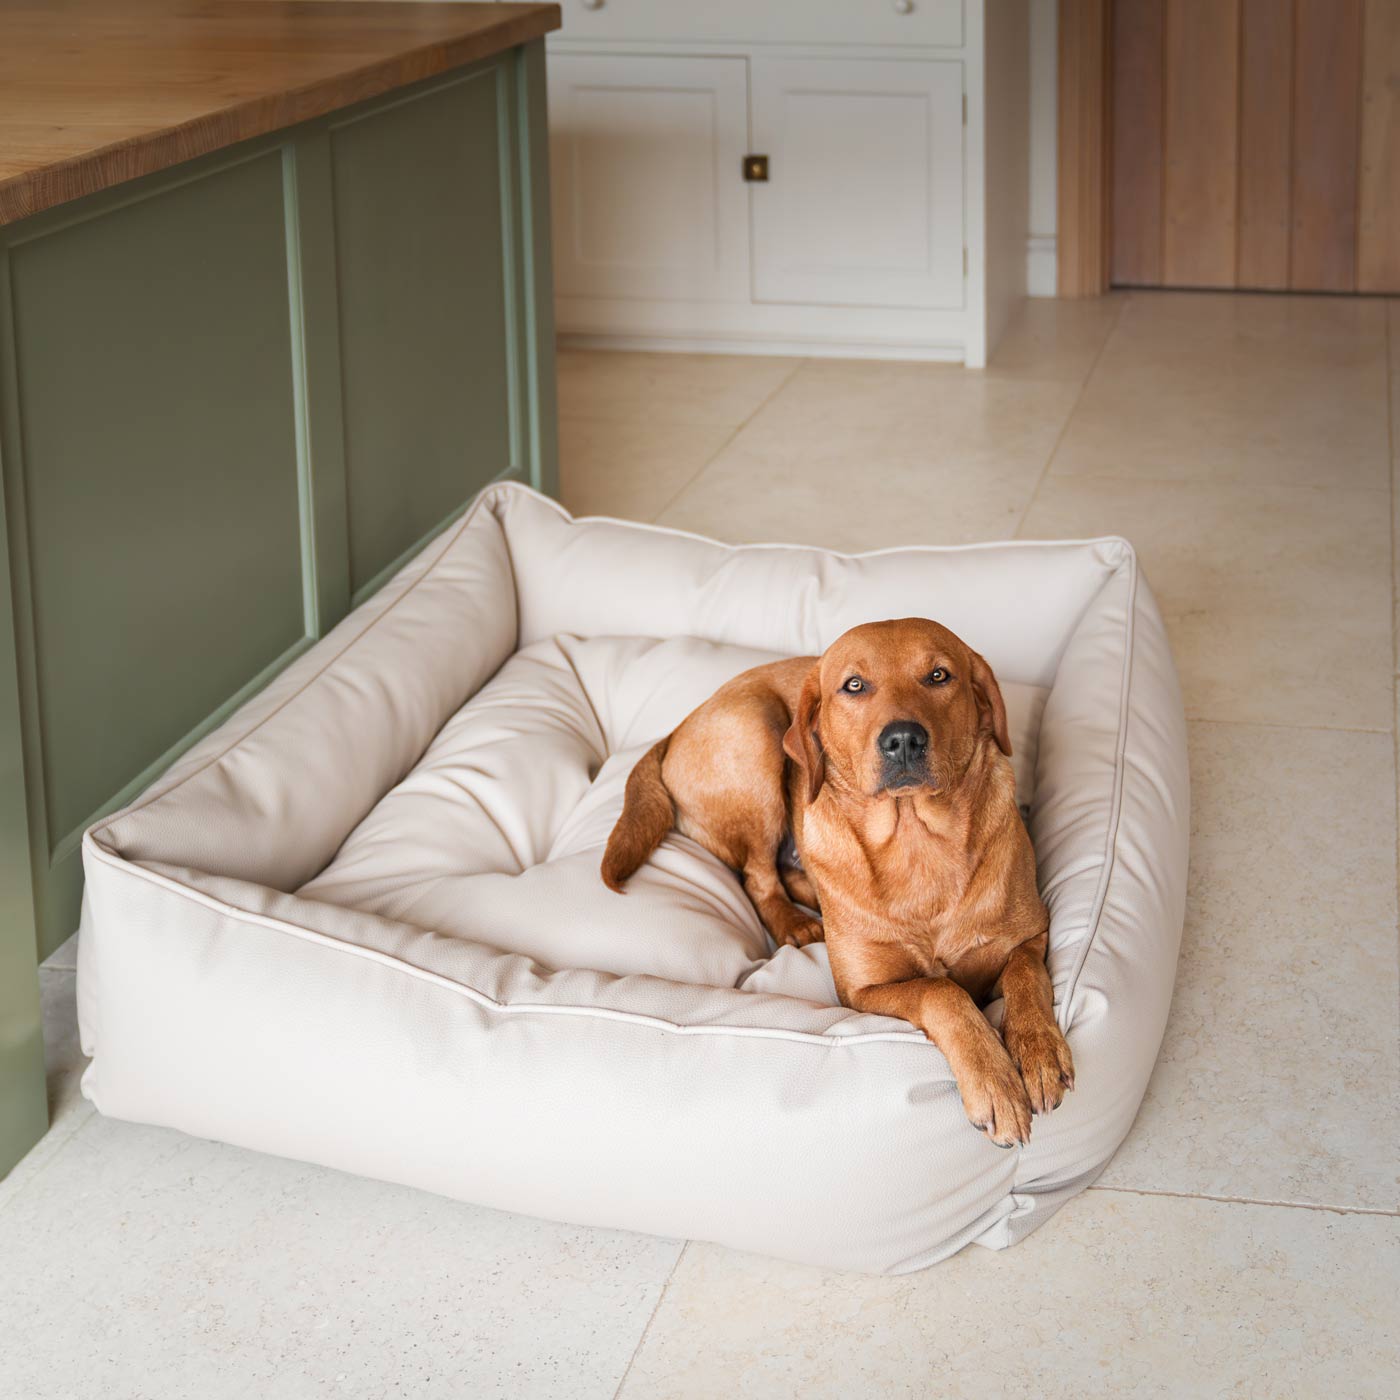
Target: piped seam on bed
[
  {"x": 1110, "y": 856},
  {"x": 480, "y": 998},
  {"x": 1122, "y": 546}
]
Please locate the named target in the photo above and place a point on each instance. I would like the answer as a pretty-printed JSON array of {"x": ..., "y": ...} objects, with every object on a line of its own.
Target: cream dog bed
[{"x": 361, "y": 924}]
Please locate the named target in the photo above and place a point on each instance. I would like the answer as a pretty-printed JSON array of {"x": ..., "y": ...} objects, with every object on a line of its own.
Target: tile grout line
[
  {"x": 1227, "y": 483},
  {"x": 1284, "y": 724},
  {"x": 1069, "y": 418},
  {"x": 1250, "y": 1201},
  {"x": 58, "y": 1148},
  {"x": 660, "y": 1298},
  {"x": 1393, "y": 443},
  {"x": 695, "y": 475}
]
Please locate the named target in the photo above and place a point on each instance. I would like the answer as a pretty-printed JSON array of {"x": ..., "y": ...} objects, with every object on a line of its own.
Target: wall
[{"x": 1040, "y": 253}]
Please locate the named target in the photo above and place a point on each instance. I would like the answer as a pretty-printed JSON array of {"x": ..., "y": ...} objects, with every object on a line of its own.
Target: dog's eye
[
  {"x": 853, "y": 686},
  {"x": 938, "y": 676}
]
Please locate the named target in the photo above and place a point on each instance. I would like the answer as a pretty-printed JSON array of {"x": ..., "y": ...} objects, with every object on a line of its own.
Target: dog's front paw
[
  {"x": 1041, "y": 1056},
  {"x": 800, "y": 932},
  {"x": 995, "y": 1102}
]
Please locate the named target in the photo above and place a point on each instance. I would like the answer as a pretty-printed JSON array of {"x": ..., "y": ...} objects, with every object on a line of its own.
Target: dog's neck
[{"x": 923, "y": 851}]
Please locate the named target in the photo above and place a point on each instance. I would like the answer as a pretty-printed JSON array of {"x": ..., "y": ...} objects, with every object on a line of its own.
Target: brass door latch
[{"x": 756, "y": 169}]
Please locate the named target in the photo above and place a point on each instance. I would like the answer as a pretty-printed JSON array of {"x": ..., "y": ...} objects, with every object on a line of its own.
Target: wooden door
[
  {"x": 1256, "y": 144},
  {"x": 864, "y": 200},
  {"x": 646, "y": 154}
]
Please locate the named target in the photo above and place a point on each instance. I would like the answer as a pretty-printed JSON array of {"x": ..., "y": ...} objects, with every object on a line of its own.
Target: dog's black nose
[{"x": 905, "y": 741}]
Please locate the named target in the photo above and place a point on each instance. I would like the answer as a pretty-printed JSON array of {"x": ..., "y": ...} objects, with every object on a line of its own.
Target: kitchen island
[{"x": 275, "y": 303}]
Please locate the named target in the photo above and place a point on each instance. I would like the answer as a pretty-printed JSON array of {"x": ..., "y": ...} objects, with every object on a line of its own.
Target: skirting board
[
  {"x": 767, "y": 328},
  {"x": 581, "y": 340}
]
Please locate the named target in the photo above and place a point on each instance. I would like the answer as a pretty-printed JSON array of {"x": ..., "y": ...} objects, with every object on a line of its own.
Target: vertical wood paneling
[
  {"x": 1326, "y": 98},
  {"x": 1256, "y": 143},
  {"x": 1266, "y": 139},
  {"x": 1138, "y": 31},
  {"x": 1082, "y": 176},
  {"x": 1378, "y": 241},
  {"x": 1199, "y": 189}
]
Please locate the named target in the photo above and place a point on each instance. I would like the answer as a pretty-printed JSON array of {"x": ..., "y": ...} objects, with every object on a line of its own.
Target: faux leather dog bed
[{"x": 362, "y": 924}]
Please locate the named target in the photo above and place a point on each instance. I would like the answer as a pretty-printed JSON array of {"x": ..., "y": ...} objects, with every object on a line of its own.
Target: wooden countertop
[{"x": 94, "y": 92}]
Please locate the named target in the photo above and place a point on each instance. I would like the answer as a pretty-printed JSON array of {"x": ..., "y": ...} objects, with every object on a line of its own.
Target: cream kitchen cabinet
[
  {"x": 893, "y": 219},
  {"x": 864, "y": 206},
  {"x": 650, "y": 198}
]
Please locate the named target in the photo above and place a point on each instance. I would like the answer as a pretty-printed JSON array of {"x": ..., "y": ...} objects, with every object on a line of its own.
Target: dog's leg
[
  {"x": 993, "y": 1095},
  {"x": 1033, "y": 1040},
  {"x": 764, "y": 885},
  {"x": 799, "y": 886},
  {"x": 781, "y": 917}
]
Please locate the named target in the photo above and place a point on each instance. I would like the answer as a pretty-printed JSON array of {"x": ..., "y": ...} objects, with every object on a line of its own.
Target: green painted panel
[
  {"x": 160, "y": 531},
  {"x": 420, "y": 249},
  {"x": 24, "y": 1110}
]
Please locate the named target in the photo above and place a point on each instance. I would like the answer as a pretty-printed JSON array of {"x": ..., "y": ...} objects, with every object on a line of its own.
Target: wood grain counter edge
[{"x": 101, "y": 168}]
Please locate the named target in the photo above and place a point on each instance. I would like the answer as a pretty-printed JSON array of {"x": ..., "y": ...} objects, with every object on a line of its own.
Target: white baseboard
[
  {"x": 803, "y": 349},
  {"x": 765, "y": 328},
  {"x": 1041, "y": 279}
]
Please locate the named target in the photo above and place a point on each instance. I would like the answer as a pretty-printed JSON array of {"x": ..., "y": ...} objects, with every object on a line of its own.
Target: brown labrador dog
[{"x": 885, "y": 762}]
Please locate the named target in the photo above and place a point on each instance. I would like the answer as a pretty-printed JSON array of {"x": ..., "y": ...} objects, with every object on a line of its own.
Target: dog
[{"x": 881, "y": 769}]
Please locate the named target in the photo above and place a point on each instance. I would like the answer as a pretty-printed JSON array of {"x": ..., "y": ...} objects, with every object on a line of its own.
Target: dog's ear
[
  {"x": 991, "y": 708},
  {"x": 802, "y": 743}
]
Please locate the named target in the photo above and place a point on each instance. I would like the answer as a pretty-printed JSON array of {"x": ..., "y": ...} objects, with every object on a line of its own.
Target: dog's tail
[{"x": 647, "y": 815}]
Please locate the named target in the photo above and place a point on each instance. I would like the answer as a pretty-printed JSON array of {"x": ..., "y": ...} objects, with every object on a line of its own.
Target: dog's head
[{"x": 894, "y": 708}]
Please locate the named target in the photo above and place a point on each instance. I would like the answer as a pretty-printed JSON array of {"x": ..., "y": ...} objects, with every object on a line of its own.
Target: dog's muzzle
[{"x": 903, "y": 749}]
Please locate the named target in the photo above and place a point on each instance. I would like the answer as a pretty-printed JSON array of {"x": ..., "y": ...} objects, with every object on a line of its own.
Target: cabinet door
[
  {"x": 647, "y": 156},
  {"x": 864, "y": 200}
]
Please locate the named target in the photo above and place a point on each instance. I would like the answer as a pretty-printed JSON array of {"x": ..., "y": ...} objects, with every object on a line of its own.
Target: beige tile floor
[{"x": 1246, "y": 1239}]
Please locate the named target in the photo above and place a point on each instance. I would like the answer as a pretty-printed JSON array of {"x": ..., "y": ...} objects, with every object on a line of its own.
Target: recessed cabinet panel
[
  {"x": 648, "y": 194},
  {"x": 161, "y": 527},
  {"x": 864, "y": 201},
  {"x": 421, "y": 268}
]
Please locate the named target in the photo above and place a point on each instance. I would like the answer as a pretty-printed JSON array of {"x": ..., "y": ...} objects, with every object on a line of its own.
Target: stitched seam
[
  {"x": 604, "y": 751},
  {"x": 1115, "y": 814},
  {"x": 480, "y": 998},
  {"x": 973, "y": 547}
]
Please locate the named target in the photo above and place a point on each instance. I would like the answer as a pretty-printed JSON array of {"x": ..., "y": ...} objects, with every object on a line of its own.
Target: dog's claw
[
  {"x": 996, "y": 1104},
  {"x": 1043, "y": 1060}
]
